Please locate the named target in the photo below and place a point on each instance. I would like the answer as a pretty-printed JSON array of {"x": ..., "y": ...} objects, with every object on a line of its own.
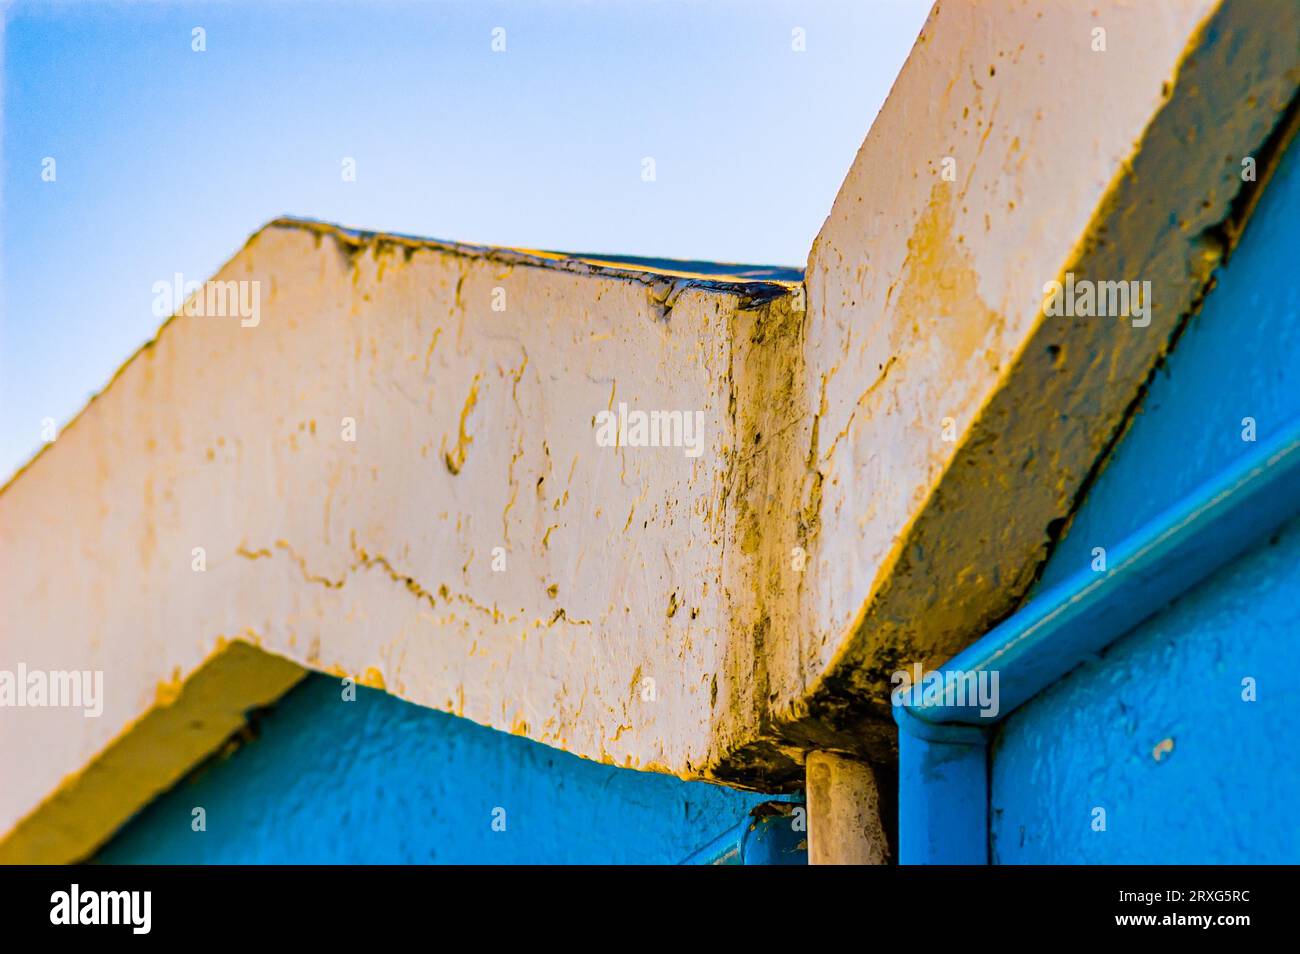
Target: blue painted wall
[
  {"x": 379, "y": 780},
  {"x": 1229, "y": 788}
]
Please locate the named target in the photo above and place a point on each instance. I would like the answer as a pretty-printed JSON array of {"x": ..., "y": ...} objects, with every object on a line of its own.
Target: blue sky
[{"x": 167, "y": 158}]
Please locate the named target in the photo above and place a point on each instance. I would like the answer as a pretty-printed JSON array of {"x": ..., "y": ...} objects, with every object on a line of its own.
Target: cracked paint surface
[
  {"x": 388, "y": 437},
  {"x": 474, "y": 429},
  {"x": 924, "y": 543}
]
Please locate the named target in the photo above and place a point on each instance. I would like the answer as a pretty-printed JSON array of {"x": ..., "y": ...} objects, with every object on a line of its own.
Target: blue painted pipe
[
  {"x": 943, "y": 756},
  {"x": 943, "y": 793},
  {"x": 769, "y": 835}
]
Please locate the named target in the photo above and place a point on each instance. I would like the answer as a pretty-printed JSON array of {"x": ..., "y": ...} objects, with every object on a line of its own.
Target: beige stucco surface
[
  {"x": 599, "y": 623},
  {"x": 926, "y": 308},
  {"x": 715, "y": 616}
]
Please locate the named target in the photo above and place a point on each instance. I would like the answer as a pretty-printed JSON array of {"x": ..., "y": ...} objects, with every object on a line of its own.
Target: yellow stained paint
[
  {"x": 937, "y": 286},
  {"x": 456, "y": 457},
  {"x": 823, "y": 410},
  {"x": 149, "y": 755}
]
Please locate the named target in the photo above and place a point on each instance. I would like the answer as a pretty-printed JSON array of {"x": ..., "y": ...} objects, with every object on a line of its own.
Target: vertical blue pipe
[
  {"x": 769, "y": 835},
  {"x": 943, "y": 792}
]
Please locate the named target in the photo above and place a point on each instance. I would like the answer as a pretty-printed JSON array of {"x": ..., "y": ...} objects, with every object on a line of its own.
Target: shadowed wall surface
[
  {"x": 1157, "y": 732},
  {"x": 379, "y": 780}
]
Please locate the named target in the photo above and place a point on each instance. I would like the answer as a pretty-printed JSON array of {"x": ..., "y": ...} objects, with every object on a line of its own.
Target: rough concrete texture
[
  {"x": 926, "y": 303},
  {"x": 714, "y": 616},
  {"x": 844, "y": 826},
  {"x": 603, "y": 628}
]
